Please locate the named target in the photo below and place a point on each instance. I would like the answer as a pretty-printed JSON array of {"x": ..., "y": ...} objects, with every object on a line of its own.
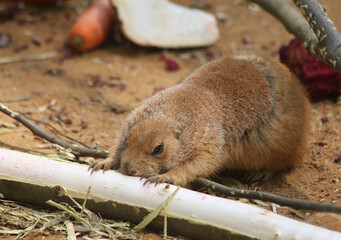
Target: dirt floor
[{"x": 88, "y": 96}]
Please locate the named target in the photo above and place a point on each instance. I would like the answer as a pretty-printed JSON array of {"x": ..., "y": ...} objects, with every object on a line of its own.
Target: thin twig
[
  {"x": 37, "y": 57},
  {"x": 76, "y": 150},
  {"x": 165, "y": 211},
  {"x": 70, "y": 230},
  {"x": 55, "y": 130},
  {"x": 27, "y": 230},
  {"x": 71, "y": 213},
  {"x": 19, "y": 99},
  {"x": 317, "y": 30},
  {"x": 283, "y": 201},
  {"x": 82, "y": 207},
  {"x": 84, "y": 203},
  {"x": 151, "y": 216}
]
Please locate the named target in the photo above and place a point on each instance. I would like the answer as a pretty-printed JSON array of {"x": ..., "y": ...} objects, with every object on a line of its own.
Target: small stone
[
  {"x": 337, "y": 160},
  {"x": 171, "y": 65},
  {"x": 5, "y": 39},
  {"x": 336, "y": 180},
  {"x": 221, "y": 16},
  {"x": 122, "y": 86},
  {"x": 151, "y": 236},
  {"x": 116, "y": 109},
  {"x": 320, "y": 144},
  {"x": 68, "y": 121},
  {"x": 96, "y": 60},
  {"x": 247, "y": 40},
  {"x": 36, "y": 41},
  {"x": 324, "y": 120},
  {"x": 55, "y": 71}
]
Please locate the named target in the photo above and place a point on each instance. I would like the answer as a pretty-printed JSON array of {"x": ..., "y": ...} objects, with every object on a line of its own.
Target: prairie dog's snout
[{"x": 150, "y": 147}]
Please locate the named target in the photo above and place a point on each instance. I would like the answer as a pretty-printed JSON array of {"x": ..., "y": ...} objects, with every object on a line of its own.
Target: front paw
[
  {"x": 103, "y": 164},
  {"x": 161, "y": 178}
]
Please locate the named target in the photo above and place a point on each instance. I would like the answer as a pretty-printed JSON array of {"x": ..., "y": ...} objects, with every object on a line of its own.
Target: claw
[
  {"x": 170, "y": 181},
  {"x": 148, "y": 180},
  {"x": 93, "y": 169},
  {"x": 106, "y": 167},
  {"x": 91, "y": 165},
  {"x": 145, "y": 176},
  {"x": 159, "y": 180}
]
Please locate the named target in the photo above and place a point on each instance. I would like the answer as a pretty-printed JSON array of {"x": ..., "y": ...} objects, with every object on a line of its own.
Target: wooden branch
[
  {"x": 328, "y": 46},
  {"x": 290, "y": 18},
  {"x": 318, "y": 31},
  {"x": 34, "y": 179},
  {"x": 36, "y": 130},
  {"x": 283, "y": 201}
]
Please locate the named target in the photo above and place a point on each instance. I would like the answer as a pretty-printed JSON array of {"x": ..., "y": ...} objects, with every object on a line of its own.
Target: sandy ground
[{"x": 65, "y": 93}]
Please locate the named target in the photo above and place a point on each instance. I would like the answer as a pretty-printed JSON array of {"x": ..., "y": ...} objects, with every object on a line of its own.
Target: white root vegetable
[
  {"x": 197, "y": 209},
  {"x": 161, "y": 23}
]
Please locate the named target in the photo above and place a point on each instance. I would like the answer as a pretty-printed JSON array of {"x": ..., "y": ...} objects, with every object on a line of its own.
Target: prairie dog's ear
[{"x": 177, "y": 134}]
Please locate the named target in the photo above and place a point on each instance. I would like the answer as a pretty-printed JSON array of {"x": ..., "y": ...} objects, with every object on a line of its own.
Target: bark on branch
[
  {"x": 283, "y": 201},
  {"x": 322, "y": 38},
  {"x": 328, "y": 46}
]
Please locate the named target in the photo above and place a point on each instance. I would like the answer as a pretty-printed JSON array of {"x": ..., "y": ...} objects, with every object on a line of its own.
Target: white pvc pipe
[{"x": 240, "y": 217}]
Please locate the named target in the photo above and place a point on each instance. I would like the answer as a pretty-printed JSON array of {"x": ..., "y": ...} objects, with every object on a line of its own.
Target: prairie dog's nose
[{"x": 127, "y": 169}]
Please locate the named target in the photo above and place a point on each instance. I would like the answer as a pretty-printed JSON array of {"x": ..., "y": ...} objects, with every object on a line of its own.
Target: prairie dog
[{"x": 245, "y": 113}]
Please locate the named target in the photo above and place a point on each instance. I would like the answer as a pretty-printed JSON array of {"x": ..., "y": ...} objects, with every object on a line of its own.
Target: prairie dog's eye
[{"x": 158, "y": 149}]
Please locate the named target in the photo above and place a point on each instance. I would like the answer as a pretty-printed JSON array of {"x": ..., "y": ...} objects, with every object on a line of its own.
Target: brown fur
[{"x": 243, "y": 113}]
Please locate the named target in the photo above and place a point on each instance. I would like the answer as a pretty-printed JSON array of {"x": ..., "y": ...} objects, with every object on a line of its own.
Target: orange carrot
[{"x": 92, "y": 26}]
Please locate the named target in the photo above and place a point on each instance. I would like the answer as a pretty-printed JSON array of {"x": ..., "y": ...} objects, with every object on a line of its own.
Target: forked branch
[{"x": 323, "y": 40}]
